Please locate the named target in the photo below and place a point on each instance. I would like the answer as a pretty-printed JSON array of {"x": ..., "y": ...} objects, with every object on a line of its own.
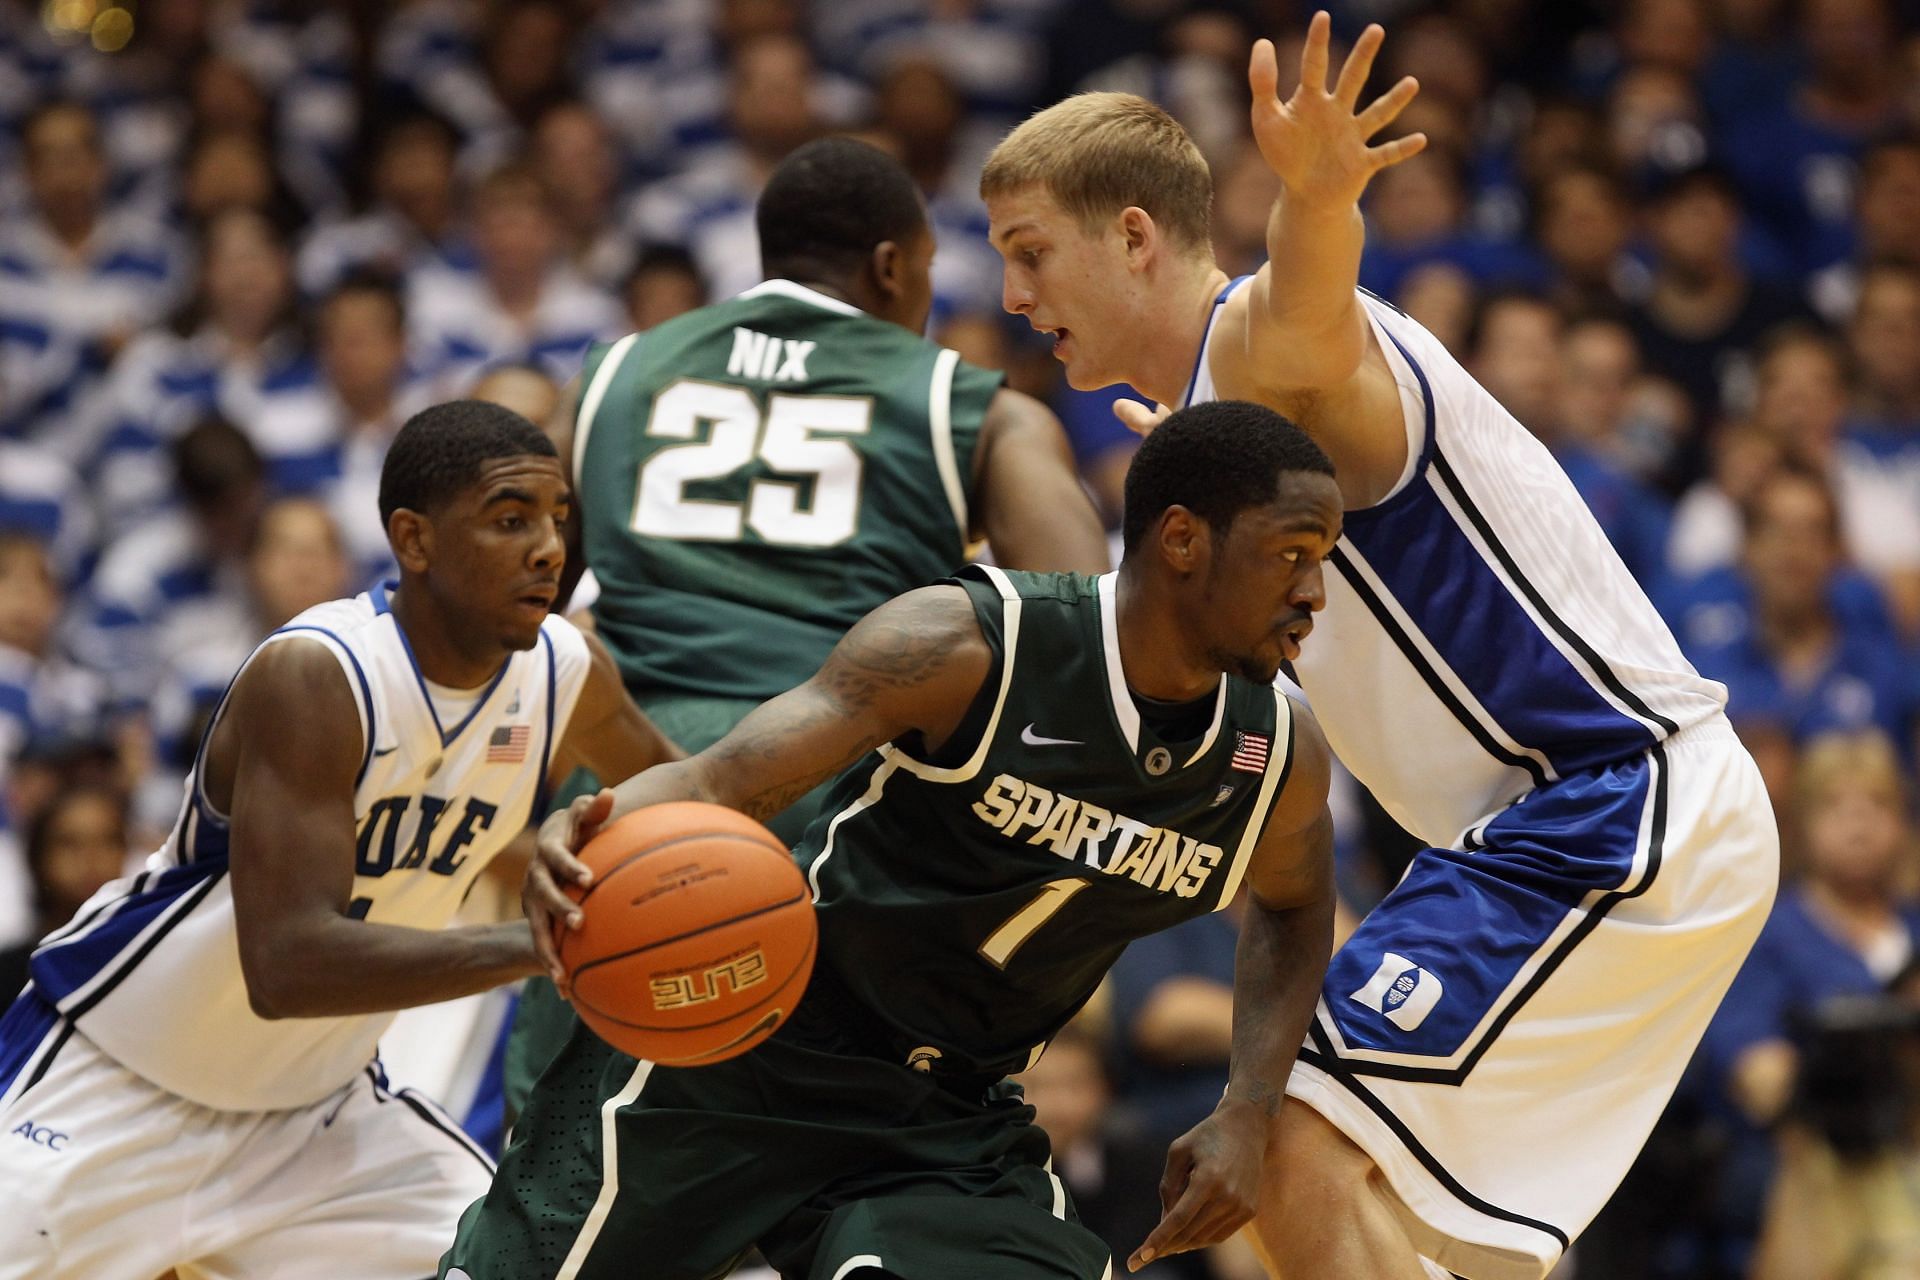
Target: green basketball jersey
[
  {"x": 970, "y": 907},
  {"x": 759, "y": 474}
]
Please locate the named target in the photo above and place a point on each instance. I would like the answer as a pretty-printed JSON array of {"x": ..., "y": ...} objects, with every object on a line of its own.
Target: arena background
[{"x": 1680, "y": 239}]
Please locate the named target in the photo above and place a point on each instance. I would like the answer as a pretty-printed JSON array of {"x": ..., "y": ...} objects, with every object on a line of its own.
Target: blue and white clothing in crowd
[
  {"x": 164, "y": 384},
  {"x": 459, "y": 328},
  {"x": 41, "y": 495}
]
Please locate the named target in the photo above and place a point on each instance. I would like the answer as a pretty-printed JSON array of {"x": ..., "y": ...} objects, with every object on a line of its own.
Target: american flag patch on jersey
[
  {"x": 1250, "y": 751},
  {"x": 508, "y": 745}
]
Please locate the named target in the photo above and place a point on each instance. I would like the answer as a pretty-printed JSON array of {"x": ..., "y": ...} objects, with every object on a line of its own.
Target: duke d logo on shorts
[{"x": 1401, "y": 990}]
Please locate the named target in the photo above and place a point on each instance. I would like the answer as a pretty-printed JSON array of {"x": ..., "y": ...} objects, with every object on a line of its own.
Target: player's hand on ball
[
  {"x": 1315, "y": 141},
  {"x": 553, "y": 865},
  {"x": 1139, "y": 418},
  {"x": 1210, "y": 1189}
]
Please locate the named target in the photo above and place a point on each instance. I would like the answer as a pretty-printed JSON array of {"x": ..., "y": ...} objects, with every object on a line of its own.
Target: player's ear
[
  {"x": 888, "y": 263},
  {"x": 1185, "y": 541},
  {"x": 410, "y": 534},
  {"x": 1138, "y": 233}
]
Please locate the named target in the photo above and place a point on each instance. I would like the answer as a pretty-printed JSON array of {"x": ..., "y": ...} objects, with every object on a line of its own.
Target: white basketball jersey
[
  {"x": 1481, "y": 637},
  {"x": 149, "y": 969}
]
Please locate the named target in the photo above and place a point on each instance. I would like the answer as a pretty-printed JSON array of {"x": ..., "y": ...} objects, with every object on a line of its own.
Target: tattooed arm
[
  {"x": 913, "y": 664},
  {"x": 1212, "y": 1180}
]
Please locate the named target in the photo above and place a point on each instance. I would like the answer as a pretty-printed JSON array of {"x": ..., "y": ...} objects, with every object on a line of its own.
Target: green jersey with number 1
[
  {"x": 759, "y": 474},
  {"x": 970, "y": 904}
]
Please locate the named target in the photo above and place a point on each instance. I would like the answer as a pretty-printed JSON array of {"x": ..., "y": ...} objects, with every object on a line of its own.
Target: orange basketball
[{"x": 699, "y": 934}]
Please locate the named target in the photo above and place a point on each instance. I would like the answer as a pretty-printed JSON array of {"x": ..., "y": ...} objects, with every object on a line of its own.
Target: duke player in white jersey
[
  {"x": 1495, "y": 1042},
  {"x": 189, "y": 1080}
]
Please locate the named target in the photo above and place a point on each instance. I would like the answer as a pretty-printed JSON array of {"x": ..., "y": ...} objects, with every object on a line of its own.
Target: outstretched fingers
[
  {"x": 1386, "y": 108},
  {"x": 1359, "y": 65},
  {"x": 1313, "y": 55},
  {"x": 1263, "y": 73},
  {"x": 1388, "y": 154}
]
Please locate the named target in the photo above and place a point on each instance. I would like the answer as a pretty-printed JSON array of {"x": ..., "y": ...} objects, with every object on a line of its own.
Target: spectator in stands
[
  {"x": 232, "y": 169},
  {"x": 1417, "y": 214},
  {"x": 1704, "y": 310},
  {"x": 368, "y": 390},
  {"x": 1795, "y": 164},
  {"x": 1798, "y": 666},
  {"x": 525, "y": 303},
  {"x": 1888, "y": 193},
  {"x": 1585, "y": 223},
  {"x": 773, "y": 105},
  {"x": 86, "y": 276},
  {"x": 42, "y": 497},
  {"x": 44, "y": 699},
  {"x": 1845, "y": 926},
  {"x": 76, "y": 844},
  {"x": 1608, "y": 434},
  {"x": 1884, "y": 337},
  {"x": 919, "y": 109},
  {"x": 236, "y": 343},
  {"x": 1805, "y": 383},
  {"x": 1106, "y": 1160},
  {"x": 664, "y": 283},
  {"x": 150, "y": 577},
  {"x": 413, "y": 222},
  {"x": 1444, "y": 300},
  {"x": 524, "y": 388},
  {"x": 573, "y": 150},
  {"x": 296, "y": 560}
]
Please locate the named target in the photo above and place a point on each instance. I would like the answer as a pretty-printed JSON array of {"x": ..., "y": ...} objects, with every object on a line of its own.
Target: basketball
[{"x": 698, "y": 936}]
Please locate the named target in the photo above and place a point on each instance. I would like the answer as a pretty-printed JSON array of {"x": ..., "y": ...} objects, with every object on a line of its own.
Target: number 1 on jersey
[{"x": 1024, "y": 923}]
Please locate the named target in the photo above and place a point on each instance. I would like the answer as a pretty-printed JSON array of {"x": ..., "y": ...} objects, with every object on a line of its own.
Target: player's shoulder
[
  {"x": 341, "y": 618},
  {"x": 1060, "y": 587}
]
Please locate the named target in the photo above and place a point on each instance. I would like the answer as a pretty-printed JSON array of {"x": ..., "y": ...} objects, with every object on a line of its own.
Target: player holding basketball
[
  {"x": 1497, "y": 1039},
  {"x": 1038, "y": 769},
  {"x": 189, "y": 1078},
  {"x": 755, "y": 476}
]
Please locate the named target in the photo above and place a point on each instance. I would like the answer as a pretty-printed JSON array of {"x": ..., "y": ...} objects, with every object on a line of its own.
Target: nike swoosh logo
[
  {"x": 1032, "y": 739},
  {"x": 384, "y": 751}
]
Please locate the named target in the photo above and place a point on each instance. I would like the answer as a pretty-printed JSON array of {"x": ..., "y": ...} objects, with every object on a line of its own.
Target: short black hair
[
  {"x": 440, "y": 451},
  {"x": 830, "y": 203},
  {"x": 1216, "y": 460}
]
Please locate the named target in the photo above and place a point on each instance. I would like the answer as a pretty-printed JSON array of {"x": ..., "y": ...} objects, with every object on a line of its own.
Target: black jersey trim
[
  {"x": 438, "y": 1120},
  {"x": 1428, "y": 673},
  {"x": 1656, "y": 847}
]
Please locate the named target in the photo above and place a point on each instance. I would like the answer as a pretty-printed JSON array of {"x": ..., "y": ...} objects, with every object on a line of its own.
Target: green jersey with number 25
[{"x": 759, "y": 474}]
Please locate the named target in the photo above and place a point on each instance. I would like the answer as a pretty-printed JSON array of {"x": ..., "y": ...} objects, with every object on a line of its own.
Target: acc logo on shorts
[
  {"x": 41, "y": 1136},
  {"x": 1401, "y": 990}
]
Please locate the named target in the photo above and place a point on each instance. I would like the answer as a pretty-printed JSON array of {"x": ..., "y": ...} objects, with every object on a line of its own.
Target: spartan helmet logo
[
  {"x": 1159, "y": 760},
  {"x": 923, "y": 1058}
]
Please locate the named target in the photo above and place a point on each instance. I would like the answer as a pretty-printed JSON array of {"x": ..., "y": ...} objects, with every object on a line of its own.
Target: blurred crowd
[{"x": 242, "y": 240}]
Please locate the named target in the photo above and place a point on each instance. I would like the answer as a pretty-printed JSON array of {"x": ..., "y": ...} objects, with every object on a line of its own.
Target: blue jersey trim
[
  {"x": 366, "y": 692},
  {"x": 1206, "y": 335},
  {"x": 25, "y": 1029},
  {"x": 1430, "y": 676},
  {"x": 1617, "y": 686},
  {"x": 1453, "y": 597},
  {"x": 546, "y": 748},
  {"x": 381, "y": 605},
  {"x": 61, "y": 968}
]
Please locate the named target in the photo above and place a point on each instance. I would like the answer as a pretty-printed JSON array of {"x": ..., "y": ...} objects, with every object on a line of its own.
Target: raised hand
[
  {"x": 1316, "y": 141},
  {"x": 1139, "y": 418}
]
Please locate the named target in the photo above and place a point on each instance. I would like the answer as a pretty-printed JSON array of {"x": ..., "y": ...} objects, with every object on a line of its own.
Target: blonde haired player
[
  {"x": 1494, "y": 1043},
  {"x": 189, "y": 1079}
]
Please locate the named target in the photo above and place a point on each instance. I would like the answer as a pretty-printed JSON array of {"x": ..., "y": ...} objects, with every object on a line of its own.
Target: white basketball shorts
[
  {"x": 106, "y": 1177},
  {"x": 1503, "y": 1030}
]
